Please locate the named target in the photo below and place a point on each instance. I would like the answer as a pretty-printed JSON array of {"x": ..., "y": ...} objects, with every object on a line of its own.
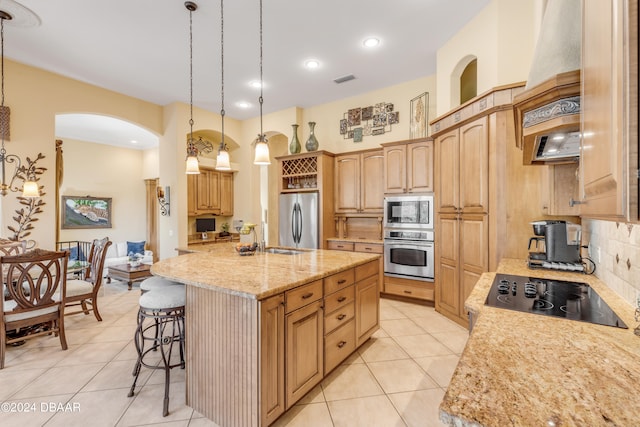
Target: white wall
[{"x": 105, "y": 171}]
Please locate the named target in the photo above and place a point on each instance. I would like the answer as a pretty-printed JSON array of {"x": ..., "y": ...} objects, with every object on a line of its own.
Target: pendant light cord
[
  {"x": 3, "y": 151},
  {"x": 222, "y": 112},
  {"x": 191, "y": 77},
  {"x": 262, "y": 138}
]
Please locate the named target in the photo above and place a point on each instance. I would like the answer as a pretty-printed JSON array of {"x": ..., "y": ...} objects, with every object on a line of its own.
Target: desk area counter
[
  {"x": 523, "y": 369},
  {"x": 257, "y": 276}
]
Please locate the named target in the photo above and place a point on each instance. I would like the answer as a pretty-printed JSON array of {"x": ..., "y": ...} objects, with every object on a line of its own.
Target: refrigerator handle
[
  {"x": 299, "y": 224},
  {"x": 298, "y": 215},
  {"x": 293, "y": 223}
]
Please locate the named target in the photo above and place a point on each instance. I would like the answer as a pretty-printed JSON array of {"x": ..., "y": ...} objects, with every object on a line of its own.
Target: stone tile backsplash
[{"x": 615, "y": 248}]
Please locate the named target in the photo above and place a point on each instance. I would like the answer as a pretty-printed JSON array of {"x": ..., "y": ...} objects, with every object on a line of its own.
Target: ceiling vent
[{"x": 344, "y": 78}]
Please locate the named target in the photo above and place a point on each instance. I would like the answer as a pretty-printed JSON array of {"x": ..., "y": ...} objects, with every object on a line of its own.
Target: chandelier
[{"x": 20, "y": 173}]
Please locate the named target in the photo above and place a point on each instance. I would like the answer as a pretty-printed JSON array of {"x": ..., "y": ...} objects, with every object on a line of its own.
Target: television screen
[{"x": 205, "y": 224}]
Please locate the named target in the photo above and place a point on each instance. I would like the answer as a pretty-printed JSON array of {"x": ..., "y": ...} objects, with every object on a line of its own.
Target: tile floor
[{"x": 397, "y": 378}]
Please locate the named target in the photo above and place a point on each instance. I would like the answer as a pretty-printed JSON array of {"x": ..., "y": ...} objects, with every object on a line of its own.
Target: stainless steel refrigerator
[{"x": 298, "y": 223}]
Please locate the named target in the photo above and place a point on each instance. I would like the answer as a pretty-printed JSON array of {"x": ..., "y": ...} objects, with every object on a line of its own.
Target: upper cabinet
[
  {"x": 408, "y": 166},
  {"x": 210, "y": 192},
  {"x": 609, "y": 159},
  {"x": 358, "y": 182}
]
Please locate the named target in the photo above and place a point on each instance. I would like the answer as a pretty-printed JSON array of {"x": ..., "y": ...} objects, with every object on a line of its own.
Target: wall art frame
[
  {"x": 419, "y": 116},
  {"x": 86, "y": 212}
]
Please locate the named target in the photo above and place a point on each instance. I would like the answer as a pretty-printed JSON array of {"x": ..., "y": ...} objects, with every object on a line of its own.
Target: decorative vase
[
  {"x": 312, "y": 142},
  {"x": 294, "y": 146}
]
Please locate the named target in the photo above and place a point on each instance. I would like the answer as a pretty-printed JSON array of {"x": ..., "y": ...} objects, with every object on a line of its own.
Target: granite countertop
[
  {"x": 523, "y": 369},
  {"x": 258, "y": 276}
]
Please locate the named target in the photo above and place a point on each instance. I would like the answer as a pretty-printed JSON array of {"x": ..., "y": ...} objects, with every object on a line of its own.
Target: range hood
[{"x": 547, "y": 113}]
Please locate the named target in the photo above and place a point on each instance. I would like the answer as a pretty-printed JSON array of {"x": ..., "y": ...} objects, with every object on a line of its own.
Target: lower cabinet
[
  {"x": 352, "y": 246},
  {"x": 308, "y": 331}
]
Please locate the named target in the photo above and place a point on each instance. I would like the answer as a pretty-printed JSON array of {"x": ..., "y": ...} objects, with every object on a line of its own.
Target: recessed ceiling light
[
  {"x": 371, "y": 42},
  {"x": 133, "y": 141},
  {"x": 312, "y": 64},
  {"x": 255, "y": 84},
  {"x": 243, "y": 104}
]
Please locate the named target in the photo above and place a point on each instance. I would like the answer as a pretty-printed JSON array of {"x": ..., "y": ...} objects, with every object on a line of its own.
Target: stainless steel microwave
[{"x": 409, "y": 212}]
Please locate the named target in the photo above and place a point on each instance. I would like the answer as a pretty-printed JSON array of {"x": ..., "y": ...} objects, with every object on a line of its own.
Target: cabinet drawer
[
  {"x": 303, "y": 295},
  {"x": 339, "y": 298},
  {"x": 339, "y": 317},
  {"x": 366, "y": 270},
  {"x": 338, "y": 281},
  {"x": 340, "y": 246},
  {"x": 424, "y": 292},
  {"x": 338, "y": 345},
  {"x": 368, "y": 247}
]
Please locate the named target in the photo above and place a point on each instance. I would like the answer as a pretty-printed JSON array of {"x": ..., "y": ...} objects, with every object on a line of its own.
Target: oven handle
[{"x": 410, "y": 244}]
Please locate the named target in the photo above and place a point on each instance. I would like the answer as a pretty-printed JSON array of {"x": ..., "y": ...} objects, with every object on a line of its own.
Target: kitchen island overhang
[{"x": 236, "y": 308}]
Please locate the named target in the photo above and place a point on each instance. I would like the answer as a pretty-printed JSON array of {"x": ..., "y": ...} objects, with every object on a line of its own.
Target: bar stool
[
  {"x": 160, "y": 326},
  {"x": 156, "y": 282}
]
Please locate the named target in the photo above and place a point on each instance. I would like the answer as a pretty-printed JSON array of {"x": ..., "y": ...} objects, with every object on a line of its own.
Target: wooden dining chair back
[
  {"x": 84, "y": 292},
  {"x": 35, "y": 282},
  {"x": 12, "y": 247}
]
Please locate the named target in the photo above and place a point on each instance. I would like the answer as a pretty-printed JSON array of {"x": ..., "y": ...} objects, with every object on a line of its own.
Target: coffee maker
[{"x": 560, "y": 244}]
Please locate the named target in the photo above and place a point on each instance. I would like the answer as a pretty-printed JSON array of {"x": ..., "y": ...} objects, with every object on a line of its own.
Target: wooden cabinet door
[
  {"x": 192, "y": 194},
  {"x": 372, "y": 182},
  {"x": 474, "y": 167},
  {"x": 447, "y": 162},
  {"x": 347, "y": 184},
  {"x": 304, "y": 362},
  {"x": 367, "y": 308},
  {"x": 447, "y": 289},
  {"x": 474, "y": 233},
  {"x": 420, "y": 167},
  {"x": 226, "y": 194},
  {"x": 603, "y": 113},
  {"x": 395, "y": 174},
  {"x": 214, "y": 191},
  {"x": 272, "y": 359},
  {"x": 202, "y": 198}
]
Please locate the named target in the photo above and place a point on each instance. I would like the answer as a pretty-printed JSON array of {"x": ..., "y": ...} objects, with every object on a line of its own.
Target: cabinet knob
[
  {"x": 342, "y": 282},
  {"x": 407, "y": 292},
  {"x": 576, "y": 202},
  {"x": 341, "y": 344},
  {"x": 307, "y": 296},
  {"x": 341, "y": 299},
  {"x": 341, "y": 316}
]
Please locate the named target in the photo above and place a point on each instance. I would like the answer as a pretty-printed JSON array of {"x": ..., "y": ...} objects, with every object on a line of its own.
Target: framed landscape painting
[{"x": 86, "y": 212}]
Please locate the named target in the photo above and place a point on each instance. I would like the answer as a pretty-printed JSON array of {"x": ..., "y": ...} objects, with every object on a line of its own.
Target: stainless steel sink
[{"x": 283, "y": 251}]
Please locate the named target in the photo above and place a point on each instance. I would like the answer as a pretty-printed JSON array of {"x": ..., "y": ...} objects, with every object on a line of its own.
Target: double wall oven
[{"x": 408, "y": 237}]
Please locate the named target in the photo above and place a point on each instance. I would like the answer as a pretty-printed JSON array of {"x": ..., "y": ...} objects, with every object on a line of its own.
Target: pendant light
[
  {"x": 192, "y": 152},
  {"x": 30, "y": 186},
  {"x": 262, "y": 149},
  {"x": 222, "y": 161}
]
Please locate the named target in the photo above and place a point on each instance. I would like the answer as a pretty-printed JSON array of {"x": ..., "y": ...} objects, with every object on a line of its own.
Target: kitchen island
[
  {"x": 523, "y": 369},
  {"x": 263, "y": 330}
]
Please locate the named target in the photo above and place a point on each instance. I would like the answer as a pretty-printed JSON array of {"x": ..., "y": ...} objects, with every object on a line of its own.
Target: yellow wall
[{"x": 100, "y": 170}]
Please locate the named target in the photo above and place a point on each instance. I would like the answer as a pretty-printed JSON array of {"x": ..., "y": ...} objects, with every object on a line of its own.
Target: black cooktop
[{"x": 558, "y": 298}]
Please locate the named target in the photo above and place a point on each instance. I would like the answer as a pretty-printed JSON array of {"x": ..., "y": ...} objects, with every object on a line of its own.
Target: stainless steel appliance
[
  {"x": 298, "y": 220},
  {"x": 414, "y": 212},
  {"x": 558, "y": 298},
  {"x": 409, "y": 254},
  {"x": 560, "y": 241}
]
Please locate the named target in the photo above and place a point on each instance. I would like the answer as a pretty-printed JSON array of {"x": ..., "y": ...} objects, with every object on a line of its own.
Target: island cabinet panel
[
  {"x": 338, "y": 345},
  {"x": 367, "y": 308},
  {"x": 223, "y": 339},
  {"x": 272, "y": 359},
  {"x": 304, "y": 362}
]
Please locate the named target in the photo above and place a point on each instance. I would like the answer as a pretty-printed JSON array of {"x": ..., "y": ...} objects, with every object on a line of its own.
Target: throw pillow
[{"x": 135, "y": 247}]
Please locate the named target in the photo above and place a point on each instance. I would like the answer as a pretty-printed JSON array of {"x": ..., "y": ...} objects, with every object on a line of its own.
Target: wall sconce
[{"x": 163, "y": 200}]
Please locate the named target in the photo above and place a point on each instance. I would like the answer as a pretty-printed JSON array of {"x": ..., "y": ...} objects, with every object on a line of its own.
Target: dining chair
[
  {"x": 84, "y": 292},
  {"x": 35, "y": 282},
  {"x": 11, "y": 247}
]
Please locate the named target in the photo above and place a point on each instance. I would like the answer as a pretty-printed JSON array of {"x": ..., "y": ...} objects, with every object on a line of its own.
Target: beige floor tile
[
  {"x": 30, "y": 412},
  {"x": 116, "y": 374},
  {"x": 114, "y": 333},
  {"x": 416, "y": 310},
  {"x": 312, "y": 415},
  {"x": 388, "y": 312},
  {"x": 176, "y": 375},
  {"x": 380, "y": 333},
  {"x": 96, "y": 409},
  {"x": 401, "y": 375},
  {"x": 380, "y": 349},
  {"x": 13, "y": 380},
  {"x": 374, "y": 411},
  {"x": 93, "y": 352},
  {"x": 422, "y": 346},
  {"x": 400, "y": 327},
  {"x": 41, "y": 357},
  {"x": 181, "y": 423},
  {"x": 146, "y": 407},
  {"x": 315, "y": 395},
  {"x": 440, "y": 368},
  {"x": 60, "y": 380},
  {"x": 354, "y": 358},
  {"x": 454, "y": 340},
  {"x": 77, "y": 336},
  {"x": 202, "y": 422},
  {"x": 129, "y": 352},
  {"x": 419, "y": 408},
  {"x": 434, "y": 322},
  {"x": 350, "y": 381}
]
